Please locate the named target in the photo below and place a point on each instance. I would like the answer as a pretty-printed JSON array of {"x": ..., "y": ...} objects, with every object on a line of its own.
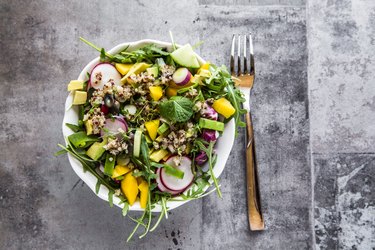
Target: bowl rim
[{"x": 70, "y": 116}]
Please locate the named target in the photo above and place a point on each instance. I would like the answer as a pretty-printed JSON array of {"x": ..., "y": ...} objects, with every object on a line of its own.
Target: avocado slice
[
  {"x": 88, "y": 125},
  {"x": 158, "y": 155},
  {"x": 75, "y": 85},
  {"x": 211, "y": 124},
  {"x": 163, "y": 129},
  {"x": 96, "y": 150},
  {"x": 135, "y": 69},
  {"x": 80, "y": 97},
  {"x": 154, "y": 71}
]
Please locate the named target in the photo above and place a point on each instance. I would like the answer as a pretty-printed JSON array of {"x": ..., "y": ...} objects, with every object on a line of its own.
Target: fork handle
[{"x": 253, "y": 198}]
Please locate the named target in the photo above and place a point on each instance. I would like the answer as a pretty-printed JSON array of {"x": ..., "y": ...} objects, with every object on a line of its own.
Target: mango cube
[
  {"x": 129, "y": 187},
  {"x": 171, "y": 92},
  {"x": 156, "y": 92},
  {"x": 143, "y": 197},
  {"x": 120, "y": 170},
  {"x": 123, "y": 68},
  {"x": 135, "y": 69},
  {"x": 224, "y": 107},
  {"x": 152, "y": 128}
]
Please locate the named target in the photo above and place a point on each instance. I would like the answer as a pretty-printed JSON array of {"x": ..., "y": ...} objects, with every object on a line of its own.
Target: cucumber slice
[
  {"x": 185, "y": 56},
  {"x": 137, "y": 142}
]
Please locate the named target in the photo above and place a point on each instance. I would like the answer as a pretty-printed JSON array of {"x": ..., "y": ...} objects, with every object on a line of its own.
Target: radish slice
[
  {"x": 161, "y": 186},
  {"x": 112, "y": 126},
  {"x": 103, "y": 73},
  {"x": 174, "y": 183},
  {"x": 181, "y": 76}
]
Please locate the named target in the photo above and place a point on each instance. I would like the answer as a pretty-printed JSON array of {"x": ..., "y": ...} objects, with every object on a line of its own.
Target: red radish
[
  {"x": 210, "y": 135},
  {"x": 103, "y": 73},
  {"x": 161, "y": 186},
  {"x": 209, "y": 113},
  {"x": 181, "y": 76},
  {"x": 112, "y": 126},
  {"x": 201, "y": 158},
  {"x": 174, "y": 183},
  {"x": 104, "y": 109}
]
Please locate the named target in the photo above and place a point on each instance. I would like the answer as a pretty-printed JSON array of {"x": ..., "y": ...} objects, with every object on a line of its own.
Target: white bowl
[{"x": 222, "y": 147}]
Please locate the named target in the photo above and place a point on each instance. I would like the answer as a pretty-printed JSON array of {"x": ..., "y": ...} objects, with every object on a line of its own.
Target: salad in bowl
[{"x": 149, "y": 126}]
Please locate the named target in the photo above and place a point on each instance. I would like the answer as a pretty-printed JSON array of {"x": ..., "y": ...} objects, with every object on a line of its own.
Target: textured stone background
[{"x": 314, "y": 113}]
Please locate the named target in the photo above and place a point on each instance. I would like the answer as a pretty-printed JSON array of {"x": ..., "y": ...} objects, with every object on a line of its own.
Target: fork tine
[
  {"x": 245, "y": 55},
  {"x": 232, "y": 55},
  {"x": 239, "y": 56},
  {"x": 252, "y": 66}
]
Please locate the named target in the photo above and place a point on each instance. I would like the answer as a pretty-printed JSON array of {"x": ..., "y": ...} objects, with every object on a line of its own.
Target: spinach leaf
[
  {"x": 177, "y": 109},
  {"x": 74, "y": 128},
  {"x": 81, "y": 139}
]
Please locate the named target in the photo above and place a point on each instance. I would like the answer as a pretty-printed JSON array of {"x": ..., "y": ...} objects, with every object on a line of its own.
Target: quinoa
[
  {"x": 97, "y": 98},
  {"x": 192, "y": 93},
  {"x": 108, "y": 87},
  {"x": 143, "y": 77},
  {"x": 115, "y": 146},
  {"x": 123, "y": 93},
  {"x": 198, "y": 106},
  {"x": 166, "y": 73},
  {"x": 177, "y": 141},
  {"x": 98, "y": 119}
]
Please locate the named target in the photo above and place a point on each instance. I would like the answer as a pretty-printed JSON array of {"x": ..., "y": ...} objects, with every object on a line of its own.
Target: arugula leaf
[
  {"x": 110, "y": 197},
  {"x": 221, "y": 84},
  {"x": 87, "y": 165},
  {"x": 209, "y": 150},
  {"x": 97, "y": 186},
  {"x": 177, "y": 109},
  {"x": 125, "y": 209}
]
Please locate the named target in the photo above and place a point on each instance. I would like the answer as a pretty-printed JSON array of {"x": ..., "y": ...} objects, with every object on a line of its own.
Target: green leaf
[
  {"x": 125, "y": 209},
  {"x": 103, "y": 57},
  {"x": 87, "y": 165},
  {"x": 80, "y": 139},
  {"x": 95, "y": 47},
  {"x": 60, "y": 152},
  {"x": 109, "y": 164},
  {"x": 74, "y": 128},
  {"x": 97, "y": 186},
  {"x": 177, "y": 109}
]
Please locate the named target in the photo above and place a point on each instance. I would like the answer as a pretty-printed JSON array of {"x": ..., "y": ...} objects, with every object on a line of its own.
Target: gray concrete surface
[
  {"x": 313, "y": 112},
  {"x": 342, "y": 121}
]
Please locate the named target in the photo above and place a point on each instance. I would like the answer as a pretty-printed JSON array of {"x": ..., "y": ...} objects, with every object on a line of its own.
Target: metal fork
[{"x": 245, "y": 80}]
